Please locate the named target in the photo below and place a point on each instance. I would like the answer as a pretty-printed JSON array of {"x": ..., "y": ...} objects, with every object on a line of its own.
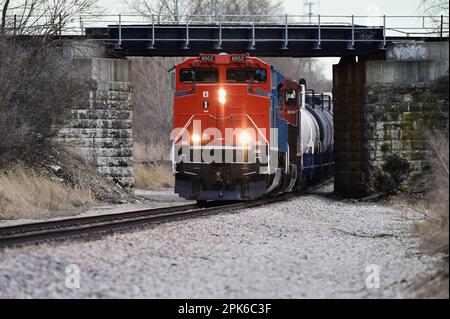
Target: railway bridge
[{"x": 390, "y": 86}]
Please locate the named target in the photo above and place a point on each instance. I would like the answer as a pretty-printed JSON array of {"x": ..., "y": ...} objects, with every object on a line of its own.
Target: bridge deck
[
  {"x": 267, "y": 40},
  {"x": 262, "y": 35}
]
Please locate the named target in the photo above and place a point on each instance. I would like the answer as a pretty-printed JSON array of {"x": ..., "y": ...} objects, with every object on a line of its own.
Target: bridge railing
[{"x": 402, "y": 26}]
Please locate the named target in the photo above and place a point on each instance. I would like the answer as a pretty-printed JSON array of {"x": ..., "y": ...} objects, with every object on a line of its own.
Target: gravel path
[{"x": 309, "y": 247}]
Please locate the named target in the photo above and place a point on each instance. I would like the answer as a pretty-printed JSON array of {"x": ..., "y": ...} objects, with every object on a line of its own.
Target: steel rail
[
  {"x": 97, "y": 225},
  {"x": 69, "y": 222},
  {"x": 81, "y": 227}
]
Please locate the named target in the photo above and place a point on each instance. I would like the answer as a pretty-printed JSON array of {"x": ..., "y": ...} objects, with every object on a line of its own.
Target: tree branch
[{"x": 4, "y": 11}]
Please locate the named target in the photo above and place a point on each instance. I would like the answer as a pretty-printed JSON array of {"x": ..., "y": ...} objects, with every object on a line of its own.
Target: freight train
[{"x": 243, "y": 131}]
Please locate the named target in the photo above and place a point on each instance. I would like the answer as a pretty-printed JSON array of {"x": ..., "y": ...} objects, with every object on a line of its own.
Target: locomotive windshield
[
  {"x": 199, "y": 75},
  {"x": 247, "y": 75}
]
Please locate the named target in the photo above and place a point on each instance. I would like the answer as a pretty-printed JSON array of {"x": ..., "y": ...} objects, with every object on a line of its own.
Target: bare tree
[
  {"x": 177, "y": 8},
  {"x": 249, "y": 7},
  {"x": 435, "y": 7},
  {"x": 168, "y": 10},
  {"x": 42, "y": 17},
  {"x": 4, "y": 11},
  {"x": 153, "y": 100},
  {"x": 308, "y": 68},
  {"x": 37, "y": 87}
]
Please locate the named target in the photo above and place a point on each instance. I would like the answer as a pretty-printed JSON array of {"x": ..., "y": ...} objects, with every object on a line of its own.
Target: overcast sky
[
  {"x": 325, "y": 7},
  {"x": 357, "y": 7}
]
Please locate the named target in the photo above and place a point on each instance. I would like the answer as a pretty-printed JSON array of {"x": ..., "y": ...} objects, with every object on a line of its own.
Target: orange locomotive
[{"x": 237, "y": 129}]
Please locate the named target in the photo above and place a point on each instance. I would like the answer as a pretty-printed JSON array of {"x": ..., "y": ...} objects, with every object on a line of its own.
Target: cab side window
[
  {"x": 281, "y": 96},
  {"x": 291, "y": 98}
]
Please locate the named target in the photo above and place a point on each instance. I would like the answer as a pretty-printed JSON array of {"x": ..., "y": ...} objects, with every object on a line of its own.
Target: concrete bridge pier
[
  {"x": 100, "y": 127},
  {"x": 383, "y": 111}
]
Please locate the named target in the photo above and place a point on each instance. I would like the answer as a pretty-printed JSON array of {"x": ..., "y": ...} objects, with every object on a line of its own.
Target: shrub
[
  {"x": 37, "y": 86},
  {"x": 393, "y": 173}
]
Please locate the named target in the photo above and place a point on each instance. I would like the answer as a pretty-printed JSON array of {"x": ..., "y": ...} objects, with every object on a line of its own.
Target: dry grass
[
  {"x": 37, "y": 86},
  {"x": 26, "y": 194},
  {"x": 434, "y": 286},
  {"x": 434, "y": 230},
  {"x": 153, "y": 178},
  {"x": 147, "y": 176},
  {"x": 150, "y": 152},
  {"x": 432, "y": 225}
]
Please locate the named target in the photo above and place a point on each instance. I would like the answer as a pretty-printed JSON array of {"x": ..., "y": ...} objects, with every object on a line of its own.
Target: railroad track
[{"x": 80, "y": 227}]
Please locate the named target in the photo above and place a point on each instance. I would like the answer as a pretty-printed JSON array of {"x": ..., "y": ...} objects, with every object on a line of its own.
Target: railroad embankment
[{"x": 59, "y": 184}]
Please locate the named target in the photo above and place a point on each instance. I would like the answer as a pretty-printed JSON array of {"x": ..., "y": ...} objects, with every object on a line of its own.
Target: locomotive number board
[
  {"x": 237, "y": 58},
  {"x": 207, "y": 58}
]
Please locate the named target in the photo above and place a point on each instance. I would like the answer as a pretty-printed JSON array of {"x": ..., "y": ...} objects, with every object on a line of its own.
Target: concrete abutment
[
  {"x": 100, "y": 127},
  {"x": 383, "y": 111}
]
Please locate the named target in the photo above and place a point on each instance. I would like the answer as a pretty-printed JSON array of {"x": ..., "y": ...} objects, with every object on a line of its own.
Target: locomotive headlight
[
  {"x": 222, "y": 96},
  {"x": 195, "y": 139},
  {"x": 244, "y": 138}
]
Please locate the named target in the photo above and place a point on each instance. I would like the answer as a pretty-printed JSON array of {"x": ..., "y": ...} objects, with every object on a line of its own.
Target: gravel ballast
[{"x": 309, "y": 247}]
